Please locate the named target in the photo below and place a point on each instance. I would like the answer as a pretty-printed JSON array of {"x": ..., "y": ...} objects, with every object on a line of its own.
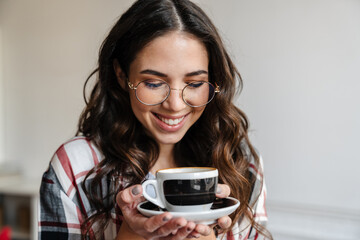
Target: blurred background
[{"x": 300, "y": 63}]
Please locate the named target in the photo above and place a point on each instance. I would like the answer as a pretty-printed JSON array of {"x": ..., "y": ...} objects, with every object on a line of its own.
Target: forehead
[{"x": 179, "y": 49}]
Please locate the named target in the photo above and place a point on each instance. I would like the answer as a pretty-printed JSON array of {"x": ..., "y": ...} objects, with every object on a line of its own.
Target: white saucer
[{"x": 221, "y": 207}]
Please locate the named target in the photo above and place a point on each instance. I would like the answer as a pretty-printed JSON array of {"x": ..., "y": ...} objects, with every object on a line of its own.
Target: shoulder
[
  {"x": 258, "y": 190},
  {"x": 74, "y": 159},
  {"x": 61, "y": 194},
  {"x": 255, "y": 161}
]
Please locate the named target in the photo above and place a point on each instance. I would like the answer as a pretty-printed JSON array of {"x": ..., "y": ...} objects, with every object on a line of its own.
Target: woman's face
[{"x": 177, "y": 58}]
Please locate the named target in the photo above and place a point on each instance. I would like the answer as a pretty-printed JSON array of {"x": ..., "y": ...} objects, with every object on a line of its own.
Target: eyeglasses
[{"x": 156, "y": 91}]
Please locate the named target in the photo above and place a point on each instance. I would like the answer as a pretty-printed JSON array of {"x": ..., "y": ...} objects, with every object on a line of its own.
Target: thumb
[{"x": 128, "y": 198}]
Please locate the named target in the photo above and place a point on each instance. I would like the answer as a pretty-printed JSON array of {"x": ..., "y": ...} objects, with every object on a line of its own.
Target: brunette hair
[{"x": 217, "y": 139}]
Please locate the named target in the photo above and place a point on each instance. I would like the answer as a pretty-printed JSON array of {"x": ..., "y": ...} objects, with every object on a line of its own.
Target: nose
[{"x": 175, "y": 102}]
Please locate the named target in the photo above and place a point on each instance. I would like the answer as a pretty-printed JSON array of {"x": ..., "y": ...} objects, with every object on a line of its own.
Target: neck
[{"x": 165, "y": 159}]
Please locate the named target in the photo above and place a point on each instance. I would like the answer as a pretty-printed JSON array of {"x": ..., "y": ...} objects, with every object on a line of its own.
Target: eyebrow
[
  {"x": 160, "y": 74},
  {"x": 196, "y": 73},
  {"x": 153, "y": 72}
]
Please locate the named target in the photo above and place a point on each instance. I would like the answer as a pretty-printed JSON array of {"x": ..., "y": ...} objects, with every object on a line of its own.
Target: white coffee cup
[{"x": 185, "y": 189}]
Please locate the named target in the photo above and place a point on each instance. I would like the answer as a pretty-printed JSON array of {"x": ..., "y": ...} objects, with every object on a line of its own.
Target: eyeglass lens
[{"x": 195, "y": 94}]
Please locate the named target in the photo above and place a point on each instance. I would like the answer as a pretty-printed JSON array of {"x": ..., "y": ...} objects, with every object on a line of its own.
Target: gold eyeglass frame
[{"x": 133, "y": 87}]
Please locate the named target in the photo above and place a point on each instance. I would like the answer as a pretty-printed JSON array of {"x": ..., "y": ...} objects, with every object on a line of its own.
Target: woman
[{"x": 163, "y": 98}]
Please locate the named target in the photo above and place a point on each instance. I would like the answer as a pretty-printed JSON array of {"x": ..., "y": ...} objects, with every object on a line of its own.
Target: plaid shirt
[{"x": 64, "y": 205}]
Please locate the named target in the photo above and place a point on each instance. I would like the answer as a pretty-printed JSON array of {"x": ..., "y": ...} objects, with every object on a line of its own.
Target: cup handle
[{"x": 157, "y": 200}]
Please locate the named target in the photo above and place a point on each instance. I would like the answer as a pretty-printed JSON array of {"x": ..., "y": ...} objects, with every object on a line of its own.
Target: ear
[{"x": 120, "y": 75}]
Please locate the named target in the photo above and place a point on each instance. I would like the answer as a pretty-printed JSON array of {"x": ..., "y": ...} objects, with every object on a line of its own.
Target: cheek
[
  {"x": 138, "y": 108},
  {"x": 198, "y": 112}
]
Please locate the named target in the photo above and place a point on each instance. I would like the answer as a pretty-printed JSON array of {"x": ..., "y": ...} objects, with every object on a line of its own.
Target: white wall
[
  {"x": 300, "y": 63},
  {"x": 301, "y": 66},
  {"x": 2, "y": 112},
  {"x": 49, "y": 49}
]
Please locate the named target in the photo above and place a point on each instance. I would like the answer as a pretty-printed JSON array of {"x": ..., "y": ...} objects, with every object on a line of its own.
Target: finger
[
  {"x": 170, "y": 227},
  {"x": 222, "y": 191},
  {"x": 203, "y": 229},
  {"x": 156, "y": 222},
  {"x": 194, "y": 234},
  {"x": 185, "y": 231},
  {"x": 129, "y": 197},
  {"x": 224, "y": 222}
]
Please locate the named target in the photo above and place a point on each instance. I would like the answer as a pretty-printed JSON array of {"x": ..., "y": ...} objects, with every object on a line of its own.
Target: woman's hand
[
  {"x": 137, "y": 226},
  {"x": 163, "y": 226},
  {"x": 223, "y": 223}
]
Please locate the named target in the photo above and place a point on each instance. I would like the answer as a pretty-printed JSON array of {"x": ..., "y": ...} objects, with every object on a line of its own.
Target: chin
[{"x": 166, "y": 140}]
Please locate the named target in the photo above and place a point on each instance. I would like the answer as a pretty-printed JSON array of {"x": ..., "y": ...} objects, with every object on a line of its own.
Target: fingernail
[
  {"x": 227, "y": 221},
  {"x": 135, "y": 191},
  {"x": 166, "y": 218},
  {"x": 218, "y": 190}
]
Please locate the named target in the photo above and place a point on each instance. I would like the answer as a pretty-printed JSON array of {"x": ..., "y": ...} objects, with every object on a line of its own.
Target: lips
[{"x": 171, "y": 121}]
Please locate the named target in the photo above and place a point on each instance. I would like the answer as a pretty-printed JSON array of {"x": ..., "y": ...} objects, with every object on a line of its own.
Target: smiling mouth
[{"x": 170, "y": 121}]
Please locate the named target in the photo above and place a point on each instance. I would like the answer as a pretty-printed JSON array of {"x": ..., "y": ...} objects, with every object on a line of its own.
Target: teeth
[{"x": 171, "y": 122}]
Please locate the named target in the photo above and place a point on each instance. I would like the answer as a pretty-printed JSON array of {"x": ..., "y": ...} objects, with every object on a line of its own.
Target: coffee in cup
[{"x": 185, "y": 189}]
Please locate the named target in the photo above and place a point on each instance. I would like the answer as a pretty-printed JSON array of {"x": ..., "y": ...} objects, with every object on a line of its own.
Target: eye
[
  {"x": 154, "y": 84},
  {"x": 195, "y": 84}
]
